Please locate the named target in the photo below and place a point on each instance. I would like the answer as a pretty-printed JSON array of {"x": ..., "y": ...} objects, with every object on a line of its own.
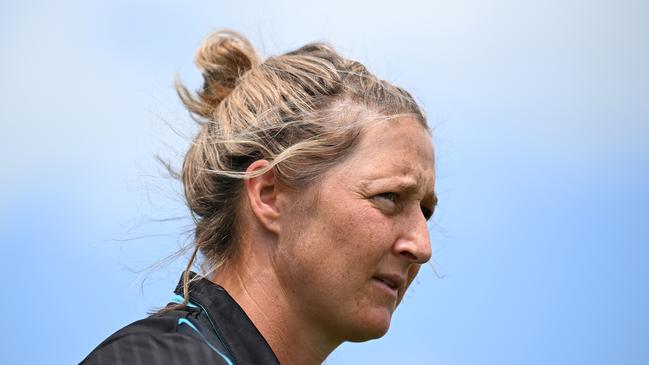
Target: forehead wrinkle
[
  {"x": 408, "y": 182},
  {"x": 414, "y": 177}
]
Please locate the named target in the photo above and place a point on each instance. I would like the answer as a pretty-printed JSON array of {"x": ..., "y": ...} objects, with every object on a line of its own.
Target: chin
[{"x": 372, "y": 327}]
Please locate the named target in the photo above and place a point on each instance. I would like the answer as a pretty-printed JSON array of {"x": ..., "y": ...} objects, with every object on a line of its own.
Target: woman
[{"x": 310, "y": 182}]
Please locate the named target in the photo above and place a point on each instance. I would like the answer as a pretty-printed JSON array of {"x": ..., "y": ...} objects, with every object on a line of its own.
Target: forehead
[{"x": 397, "y": 149}]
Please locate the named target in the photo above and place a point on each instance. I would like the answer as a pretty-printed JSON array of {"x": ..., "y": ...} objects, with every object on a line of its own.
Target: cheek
[
  {"x": 367, "y": 232},
  {"x": 337, "y": 243},
  {"x": 353, "y": 242},
  {"x": 411, "y": 275},
  {"x": 412, "y": 272}
]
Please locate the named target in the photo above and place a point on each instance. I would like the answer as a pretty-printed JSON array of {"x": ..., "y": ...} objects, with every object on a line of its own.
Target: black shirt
[{"x": 212, "y": 329}]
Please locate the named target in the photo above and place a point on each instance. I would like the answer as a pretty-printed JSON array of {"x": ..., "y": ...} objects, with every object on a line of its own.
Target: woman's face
[{"x": 351, "y": 245}]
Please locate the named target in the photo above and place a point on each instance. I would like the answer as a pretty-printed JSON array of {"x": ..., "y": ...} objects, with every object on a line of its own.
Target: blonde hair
[{"x": 303, "y": 111}]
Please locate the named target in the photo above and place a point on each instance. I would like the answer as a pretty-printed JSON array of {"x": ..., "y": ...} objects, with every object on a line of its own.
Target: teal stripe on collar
[
  {"x": 185, "y": 321},
  {"x": 179, "y": 299}
]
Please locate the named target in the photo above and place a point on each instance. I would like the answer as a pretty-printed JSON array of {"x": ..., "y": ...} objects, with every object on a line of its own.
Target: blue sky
[{"x": 541, "y": 121}]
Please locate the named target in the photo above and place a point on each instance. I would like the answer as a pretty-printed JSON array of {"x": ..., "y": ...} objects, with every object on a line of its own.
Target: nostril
[{"x": 408, "y": 255}]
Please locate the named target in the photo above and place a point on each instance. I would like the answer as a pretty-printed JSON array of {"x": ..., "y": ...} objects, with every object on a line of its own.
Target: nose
[{"x": 413, "y": 244}]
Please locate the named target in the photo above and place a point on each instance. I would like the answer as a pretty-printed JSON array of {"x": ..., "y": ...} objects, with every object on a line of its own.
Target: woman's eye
[
  {"x": 391, "y": 197},
  {"x": 428, "y": 213}
]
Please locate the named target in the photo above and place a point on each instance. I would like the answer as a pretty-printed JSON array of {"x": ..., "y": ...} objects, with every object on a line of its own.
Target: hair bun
[{"x": 222, "y": 58}]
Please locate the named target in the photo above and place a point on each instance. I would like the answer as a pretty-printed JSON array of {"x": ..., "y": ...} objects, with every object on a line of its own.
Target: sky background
[{"x": 540, "y": 113}]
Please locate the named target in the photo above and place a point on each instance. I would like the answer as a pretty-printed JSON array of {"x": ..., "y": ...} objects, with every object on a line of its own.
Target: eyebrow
[
  {"x": 407, "y": 183},
  {"x": 412, "y": 188}
]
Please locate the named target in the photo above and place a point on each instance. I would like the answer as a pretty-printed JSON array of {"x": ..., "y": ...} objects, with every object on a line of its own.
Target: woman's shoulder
[
  {"x": 174, "y": 337},
  {"x": 209, "y": 328}
]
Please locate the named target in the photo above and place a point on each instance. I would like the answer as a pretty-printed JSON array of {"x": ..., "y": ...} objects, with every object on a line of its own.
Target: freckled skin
[{"x": 328, "y": 252}]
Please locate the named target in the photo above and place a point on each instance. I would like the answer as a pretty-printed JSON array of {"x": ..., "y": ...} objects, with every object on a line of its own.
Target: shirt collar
[{"x": 237, "y": 331}]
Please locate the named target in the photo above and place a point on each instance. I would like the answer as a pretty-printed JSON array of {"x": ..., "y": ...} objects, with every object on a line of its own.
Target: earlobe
[{"x": 262, "y": 192}]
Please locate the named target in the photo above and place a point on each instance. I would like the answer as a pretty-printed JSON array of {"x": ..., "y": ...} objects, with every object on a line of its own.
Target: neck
[{"x": 251, "y": 280}]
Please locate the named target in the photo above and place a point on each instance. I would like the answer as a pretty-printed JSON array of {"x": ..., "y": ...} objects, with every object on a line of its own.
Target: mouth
[{"x": 391, "y": 283}]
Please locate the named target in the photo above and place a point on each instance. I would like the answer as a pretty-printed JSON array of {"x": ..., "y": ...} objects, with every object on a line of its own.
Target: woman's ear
[{"x": 262, "y": 194}]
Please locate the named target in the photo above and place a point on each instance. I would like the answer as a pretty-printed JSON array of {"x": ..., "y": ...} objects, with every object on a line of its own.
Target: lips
[
  {"x": 387, "y": 282},
  {"x": 393, "y": 281}
]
